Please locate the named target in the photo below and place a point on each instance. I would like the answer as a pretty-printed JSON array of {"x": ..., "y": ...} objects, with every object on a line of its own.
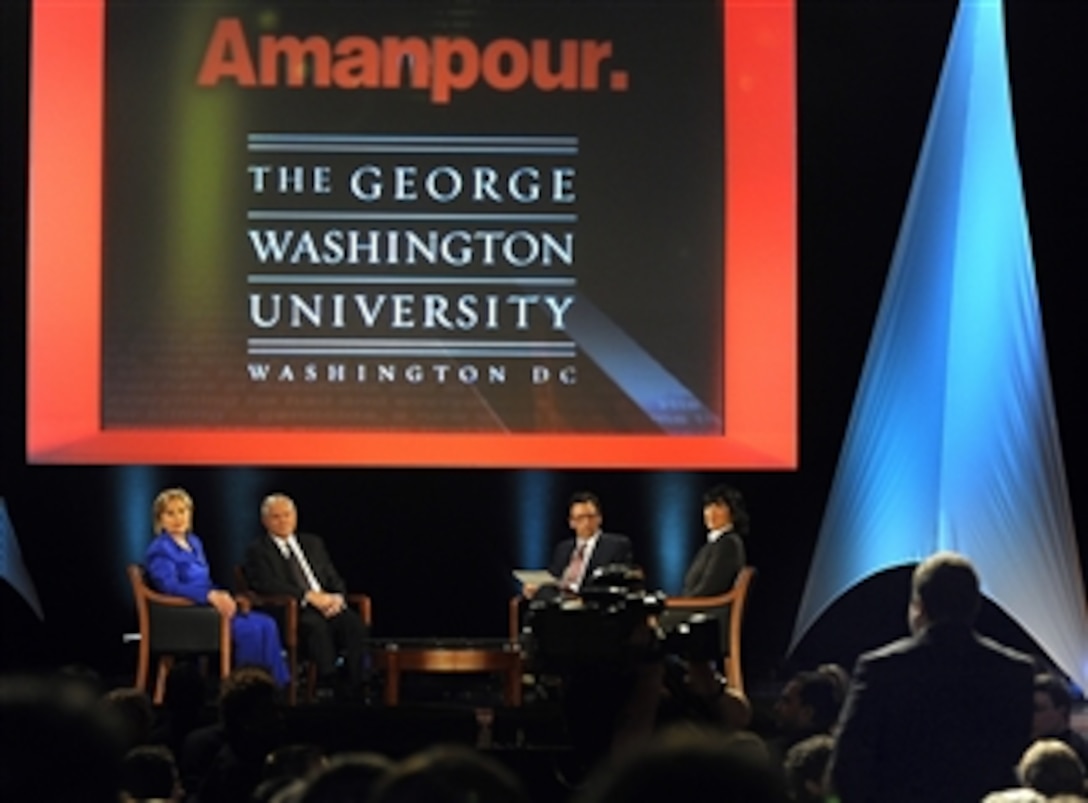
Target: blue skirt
[{"x": 257, "y": 643}]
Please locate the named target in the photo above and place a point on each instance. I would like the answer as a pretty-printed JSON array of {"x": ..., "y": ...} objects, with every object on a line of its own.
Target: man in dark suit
[
  {"x": 575, "y": 559},
  {"x": 283, "y": 562},
  {"x": 941, "y": 716}
]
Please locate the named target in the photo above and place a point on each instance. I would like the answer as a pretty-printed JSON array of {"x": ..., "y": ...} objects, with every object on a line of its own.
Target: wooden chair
[
  {"x": 171, "y": 626},
  {"x": 287, "y": 608},
  {"x": 736, "y": 599}
]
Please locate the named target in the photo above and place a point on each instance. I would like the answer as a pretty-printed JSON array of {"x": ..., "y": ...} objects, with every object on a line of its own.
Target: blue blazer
[{"x": 177, "y": 571}]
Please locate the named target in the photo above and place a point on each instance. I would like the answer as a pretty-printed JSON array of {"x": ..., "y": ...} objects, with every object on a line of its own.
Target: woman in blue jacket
[{"x": 176, "y": 564}]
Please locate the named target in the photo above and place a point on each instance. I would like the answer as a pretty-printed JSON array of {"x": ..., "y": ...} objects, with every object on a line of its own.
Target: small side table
[{"x": 414, "y": 655}]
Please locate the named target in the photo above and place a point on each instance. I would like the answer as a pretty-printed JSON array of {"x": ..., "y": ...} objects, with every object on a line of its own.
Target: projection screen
[{"x": 413, "y": 234}]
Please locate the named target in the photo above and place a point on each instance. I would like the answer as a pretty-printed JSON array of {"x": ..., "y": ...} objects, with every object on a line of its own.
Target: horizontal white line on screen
[
  {"x": 419, "y": 139},
  {"x": 517, "y": 281},
  {"x": 379, "y": 342},
  {"x": 407, "y": 352},
  {"x": 385, "y": 217},
  {"x": 539, "y": 150}
]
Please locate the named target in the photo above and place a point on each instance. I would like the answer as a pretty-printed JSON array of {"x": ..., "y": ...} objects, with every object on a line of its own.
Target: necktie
[
  {"x": 572, "y": 575},
  {"x": 296, "y": 570}
]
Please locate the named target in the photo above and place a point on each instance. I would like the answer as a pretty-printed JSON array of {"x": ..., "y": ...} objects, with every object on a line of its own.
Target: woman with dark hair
[
  {"x": 721, "y": 558},
  {"x": 176, "y": 564},
  {"x": 718, "y": 561}
]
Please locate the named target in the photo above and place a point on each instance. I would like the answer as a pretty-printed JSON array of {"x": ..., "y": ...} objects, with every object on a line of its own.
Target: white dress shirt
[{"x": 714, "y": 535}]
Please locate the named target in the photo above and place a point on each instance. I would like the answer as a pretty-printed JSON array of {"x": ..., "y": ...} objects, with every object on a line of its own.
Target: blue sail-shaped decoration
[
  {"x": 12, "y": 568},
  {"x": 953, "y": 440}
]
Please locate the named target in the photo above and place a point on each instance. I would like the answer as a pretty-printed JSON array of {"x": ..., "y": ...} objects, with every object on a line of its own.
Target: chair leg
[
  {"x": 143, "y": 660},
  {"x": 733, "y": 674},
  {"x": 292, "y": 675},
  {"x": 166, "y": 663},
  {"x": 224, "y": 665}
]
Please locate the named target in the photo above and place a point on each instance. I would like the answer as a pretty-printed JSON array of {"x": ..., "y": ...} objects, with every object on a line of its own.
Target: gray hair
[{"x": 272, "y": 499}]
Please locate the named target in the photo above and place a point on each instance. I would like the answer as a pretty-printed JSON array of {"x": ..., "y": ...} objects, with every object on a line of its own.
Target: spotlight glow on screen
[{"x": 404, "y": 234}]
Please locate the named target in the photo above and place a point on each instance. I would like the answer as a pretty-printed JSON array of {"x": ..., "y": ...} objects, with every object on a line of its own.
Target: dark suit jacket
[
  {"x": 268, "y": 572},
  {"x": 712, "y": 572},
  {"x": 941, "y": 718},
  {"x": 715, "y": 567},
  {"x": 610, "y": 548}
]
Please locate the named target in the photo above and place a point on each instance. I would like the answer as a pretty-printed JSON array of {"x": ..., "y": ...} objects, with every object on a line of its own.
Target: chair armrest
[
  {"x": 171, "y": 601},
  {"x": 168, "y": 599},
  {"x": 698, "y": 603},
  {"x": 289, "y": 607},
  {"x": 362, "y": 603}
]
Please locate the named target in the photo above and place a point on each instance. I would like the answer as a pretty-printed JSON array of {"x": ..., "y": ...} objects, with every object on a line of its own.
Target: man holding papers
[{"x": 575, "y": 559}]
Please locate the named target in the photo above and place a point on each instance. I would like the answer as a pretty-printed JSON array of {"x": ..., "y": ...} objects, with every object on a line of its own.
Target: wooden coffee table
[{"x": 443, "y": 656}]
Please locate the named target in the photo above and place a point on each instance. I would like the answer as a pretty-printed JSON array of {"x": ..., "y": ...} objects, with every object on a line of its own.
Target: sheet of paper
[{"x": 535, "y": 577}]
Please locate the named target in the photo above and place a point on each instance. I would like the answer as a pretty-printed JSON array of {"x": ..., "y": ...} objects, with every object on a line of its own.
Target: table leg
[
  {"x": 513, "y": 682},
  {"x": 392, "y": 679}
]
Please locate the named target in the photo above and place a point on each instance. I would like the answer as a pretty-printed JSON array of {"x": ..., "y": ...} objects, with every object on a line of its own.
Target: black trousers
[{"x": 322, "y": 640}]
